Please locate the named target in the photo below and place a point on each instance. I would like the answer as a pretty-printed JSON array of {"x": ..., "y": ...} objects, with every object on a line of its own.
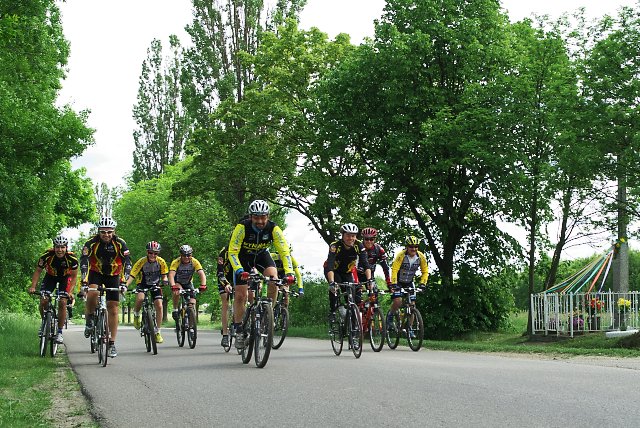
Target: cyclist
[
  {"x": 181, "y": 275},
  {"x": 339, "y": 266},
  {"x": 248, "y": 249},
  {"x": 105, "y": 261},
  {"x": 403, "y": 270},
  {"x": 225, "y": 278},
  {"x": 147, "y": 272},
  {"x": 296, "y": 270},
  {"x": 375, "y": 255},
  {"x": 61, "y": 269}
]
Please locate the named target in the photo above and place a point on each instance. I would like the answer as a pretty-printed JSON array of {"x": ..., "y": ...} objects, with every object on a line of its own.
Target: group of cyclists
[{"x": 105, "y": 262}]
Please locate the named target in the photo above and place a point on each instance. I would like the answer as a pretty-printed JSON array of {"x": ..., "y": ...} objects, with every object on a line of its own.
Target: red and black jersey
[
  {"x": 57, "y": 266},
  {"x": 376, "y": 255},
  {"x": 110, "y": 258}
]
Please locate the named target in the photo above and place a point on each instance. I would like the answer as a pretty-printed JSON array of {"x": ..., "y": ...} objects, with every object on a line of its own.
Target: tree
[
  {"x": 40, "y": 192},
  {"x": 162, "y": 123}
]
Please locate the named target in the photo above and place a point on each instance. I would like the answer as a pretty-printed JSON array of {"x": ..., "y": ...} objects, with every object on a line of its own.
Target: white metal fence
[{"x": 571, "y": 313}]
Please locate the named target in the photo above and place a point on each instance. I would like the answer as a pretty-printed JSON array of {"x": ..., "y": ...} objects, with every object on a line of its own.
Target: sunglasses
[
  {"x": 369, "y": 239},
  {"x": 412, "y": 246},
  {"x": 152, "y": 253},
  {"x": 60, "y": 246},
  {"x": 106, "y": 232},
  {"x": 185, "y": 255}
]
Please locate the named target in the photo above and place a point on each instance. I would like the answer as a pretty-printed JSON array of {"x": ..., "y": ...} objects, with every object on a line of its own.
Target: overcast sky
[{"x": 109, "y": 40}]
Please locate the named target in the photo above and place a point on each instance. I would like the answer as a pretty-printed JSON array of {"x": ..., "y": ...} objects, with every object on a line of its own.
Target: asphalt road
[{"x": 305, "y": 385}]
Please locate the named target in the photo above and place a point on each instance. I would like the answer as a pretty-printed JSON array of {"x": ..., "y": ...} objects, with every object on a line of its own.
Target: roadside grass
[{"x": 30, "y": 383}]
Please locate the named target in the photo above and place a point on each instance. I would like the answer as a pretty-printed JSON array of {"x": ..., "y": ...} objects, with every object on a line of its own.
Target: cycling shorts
[
  {"x": 260, "y": 261},
  {"x": 50, "y": 282},
  {"x": 156, "y": 293},
  {"x": 108, "y": 281}
]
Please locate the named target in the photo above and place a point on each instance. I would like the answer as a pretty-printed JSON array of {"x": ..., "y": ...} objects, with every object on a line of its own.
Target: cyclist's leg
[
  {"x": 157, "y": 302},
  {"x": 65, "y": 286},
  {"x": 175, "y": 296},
  {"x": 267, "y": 266},
  {"x": 48, "y": 284},
  {"x": 224, "y": 315},
  {"x": 113, "y": 304}
]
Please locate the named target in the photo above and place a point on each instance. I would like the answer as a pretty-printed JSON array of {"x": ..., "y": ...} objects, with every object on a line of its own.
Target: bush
[
  {"x": 312, "y": 309},
  {"x": 472, "y": 303}
]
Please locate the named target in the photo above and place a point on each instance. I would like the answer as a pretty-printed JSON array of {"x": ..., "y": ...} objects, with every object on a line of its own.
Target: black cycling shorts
[
  {"x": 63, "y": 283},
  {"x": 156, "y": 293},
  {"x": 108, "y": 281},
  {"x": 260, "y": 261}
]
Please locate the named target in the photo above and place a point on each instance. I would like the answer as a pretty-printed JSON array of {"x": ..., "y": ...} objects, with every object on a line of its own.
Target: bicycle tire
[
  {"x": 263, "y": 335},
  {"x": 152, "y": 332},
  {"x": 93, "y": 337},
  {"x": 104, "y": 339},
  {"x": 280, "y": 325},
  {"x": 180, "y": 331},
  {"x": 44, "y": 339},
  {"x": 377, "y": 329},
  {"x": 247, "y": 331},
  {"x": 53, "y": 344},
  {"x": 336, "y": 334},
  {"x": 192, "y": 328},
  {"x": 229, "y": 328},
  {"x": 145, "y": 330},
  {"x": 393, "y": 331},
  {"x": 415, "y": 324},
  {"x": 356, "y": 336}
]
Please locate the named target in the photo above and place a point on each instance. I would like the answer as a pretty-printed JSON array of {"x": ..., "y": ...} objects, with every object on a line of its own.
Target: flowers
[
  {"x": 596, "y": 304},
  {"x": 623, "y": 304}
]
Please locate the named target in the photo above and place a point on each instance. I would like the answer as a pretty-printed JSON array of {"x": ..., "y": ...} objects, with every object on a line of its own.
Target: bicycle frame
[
  {"x": 281, "y": 315},
  {"x": 407, "y": 322},
  {"x": 148, "y": 325},
  {"x": 49, "y": 324},
  {"x": 373, "y": 321},
  {"x": 352, "y": 322},
  {"x": 186, "y": 324},
  {"x": 100, "y": 336}
]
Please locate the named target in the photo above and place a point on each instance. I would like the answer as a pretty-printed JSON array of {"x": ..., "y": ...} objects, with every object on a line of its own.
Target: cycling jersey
[
  {"x": 57, "y": 266},
  {"x": 248, "y": 242},
  {"x": 224, "y": 271},
  {"x": 110, "y": 258},
  {"x": 375, "y": 255},
  {"x": 403, "y": 268},
  {"x": 280, "y": 266},
  {"x": 147, "y": 273},
  {"x": 184, "y": 271},
  {"x": 342, "y": 259}
]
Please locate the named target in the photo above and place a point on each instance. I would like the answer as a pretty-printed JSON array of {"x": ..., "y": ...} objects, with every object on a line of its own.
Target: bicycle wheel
[
  {"x": 377, "y": 330},
  {"x": 180, "y": 330},
  {"x": 336, "y": 334},
  {"x": 393, "y": 331},
  {"x": 53, "y": 344},
  {"x": 263, "y": 335},
  {"x": 145, "y": 330},
  {"x": 44, "y": 339},
  {"x": 280, "y": 325},
  {"x": 355, "y": 331},
  {"x": 416, "y": 329},
  {"x": 247, "y": 332},
  {"x": 105, "y": 337},
  {"x": 93, "y": 338},
  {"x": 192, "y": 328},
  {"x": 229, "y": 329},
  {"x": 152, "y": 332}
]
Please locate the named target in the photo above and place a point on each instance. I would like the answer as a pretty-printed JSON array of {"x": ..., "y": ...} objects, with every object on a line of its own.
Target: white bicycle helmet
[
  {"x": 60, "y": 240},
  {"x": 349, "y": 228},
  {"x": 259, "y": 207},
  {"x": 107, "y": 222},
  {"x": 186, "y": 250},
  {"x": 154, "y": 246}
]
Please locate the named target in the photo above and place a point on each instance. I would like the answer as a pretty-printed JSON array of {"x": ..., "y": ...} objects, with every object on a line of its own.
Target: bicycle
[
  {"x": 186, "y": 323},
  {"x": 100, "y": 334},
  {"x": 407, "y": 322},
  {"x": 257, "y": 324},
  {"x": 148, "y": 326},
  {"x": 373, "y": 320},
  {"x": 49, "y": 324},
  {"x": 281, "y": 316},
  {"x": 230, "y": 330},
  {"x": 351, "y": 324}
]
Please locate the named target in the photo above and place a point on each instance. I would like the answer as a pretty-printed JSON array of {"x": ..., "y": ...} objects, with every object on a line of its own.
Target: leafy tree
[
  {"x": 39, "y": 191},
  {"x": 162, "y": 123}
]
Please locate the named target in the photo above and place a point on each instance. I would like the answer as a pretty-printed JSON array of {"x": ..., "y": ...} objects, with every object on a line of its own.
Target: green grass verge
[{"x": 24, "y": 376}]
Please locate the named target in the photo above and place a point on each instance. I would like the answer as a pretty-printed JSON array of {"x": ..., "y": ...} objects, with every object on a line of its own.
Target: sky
[{"x": 109, "y": 42}]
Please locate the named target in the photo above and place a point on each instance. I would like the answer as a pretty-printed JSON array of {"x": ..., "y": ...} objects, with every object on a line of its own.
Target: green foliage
[
  {"x": 313, "y": 308},
  {"x": 471, "y": 303},
  {"x": 39, "y": 192}
]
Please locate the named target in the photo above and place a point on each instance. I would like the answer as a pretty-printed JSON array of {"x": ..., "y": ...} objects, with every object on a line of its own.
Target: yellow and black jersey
[
  {"x": 111, "y": 258},
  {"x": 342, "y": 259},
  {"x": 148, "y": 273},
  {"x": 57, "y": 266},
  {"x": 224, "y": 266},
  {"x": 404, "y": 268},
  {"x": 184, "y": 271},
  {"x": 247, "y": 241}
]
